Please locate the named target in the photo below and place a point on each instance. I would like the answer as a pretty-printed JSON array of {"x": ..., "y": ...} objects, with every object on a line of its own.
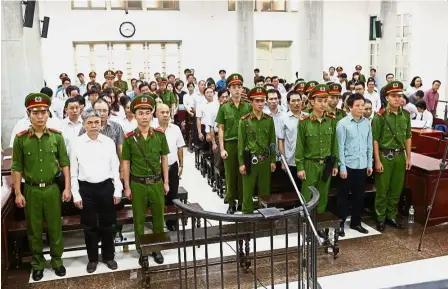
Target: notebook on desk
[{"x": 416, "y": 123}]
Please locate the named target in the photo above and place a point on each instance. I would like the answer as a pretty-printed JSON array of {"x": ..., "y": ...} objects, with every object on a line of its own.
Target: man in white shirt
[
  {"x": 281, "y": 89},
  {"x": 211, "y": 127},
  {"x": 175, "y": 157},
  {"x": 202, "y": 115},
  {"x": 371, "y": 94},
  {"x": 92, "y": 96},
  {"x": 82, "y": 84},
  {"x": 198, "y": 100},
  {"x": 72, "y": 124},
  {"x": 424, "y": 114},
  {"x": 96, "y": 188},
  {"x": 409, "y": 106},
  {"x": 61, "y": 94},
  {"x": 333, "y": 77},
  {"x": 129, "y": 123}
]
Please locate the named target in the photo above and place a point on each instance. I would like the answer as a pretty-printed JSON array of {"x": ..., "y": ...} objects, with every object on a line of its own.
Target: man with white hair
[{"x": 96, "y": 188}]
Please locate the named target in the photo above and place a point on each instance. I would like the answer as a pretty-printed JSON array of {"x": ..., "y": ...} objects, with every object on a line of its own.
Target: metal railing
[{"x": 241, "y": 230}]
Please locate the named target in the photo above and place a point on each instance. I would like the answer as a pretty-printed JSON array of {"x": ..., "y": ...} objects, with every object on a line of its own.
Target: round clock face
[{"x": 127, "y": 29}]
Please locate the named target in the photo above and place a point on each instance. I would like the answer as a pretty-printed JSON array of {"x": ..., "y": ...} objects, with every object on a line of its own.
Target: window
[
  {"x": 131, "y": 58},
  {"x": 269, "y": 5},
  {"x": 126, "y": 4},
  {"x": 402, "y": 47},
  {"x": 374, "y": 51},
  {"x": 273, "y": 58}
]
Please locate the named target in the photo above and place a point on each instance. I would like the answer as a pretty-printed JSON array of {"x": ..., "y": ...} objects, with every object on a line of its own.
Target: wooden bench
[{"x": 17, "y": 229}]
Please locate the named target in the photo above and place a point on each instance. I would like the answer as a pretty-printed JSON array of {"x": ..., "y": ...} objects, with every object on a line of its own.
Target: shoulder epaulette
[
  {"x": 131, "y": 133},
  {"x": 331, "y": 116},
  {"x": 267, "y": 115},
  {"x": 159, "y": 130},
  {"x": 305, "y": 116},
  {"x": 245, "y": 116},
  {"x": 21, "y": 133},
  {"x": 381, "y": 111},
  {"x": 54, "y": 130}
]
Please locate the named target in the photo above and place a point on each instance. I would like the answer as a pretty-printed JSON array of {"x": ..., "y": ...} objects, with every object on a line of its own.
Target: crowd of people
[{"x": 94, "y": 144}]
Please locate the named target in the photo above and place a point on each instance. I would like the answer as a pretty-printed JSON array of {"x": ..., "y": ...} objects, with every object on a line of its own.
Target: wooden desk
[
  {"x": 7, "y": 207},
  {"x": 6, "y": 164},
  {"x": 421, "y": 180},
  {"x": 427, "y": 131}
]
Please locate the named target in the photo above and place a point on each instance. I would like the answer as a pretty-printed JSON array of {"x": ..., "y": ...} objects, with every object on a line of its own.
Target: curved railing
[{"x": 298, "y": 255}]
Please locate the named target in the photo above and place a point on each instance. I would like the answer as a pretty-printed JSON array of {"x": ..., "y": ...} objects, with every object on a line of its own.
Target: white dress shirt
[
  {"x": 118, "y": 116},
  {"x": 375, "y": 99},
  {"x": 189, "y": 100},
  {"x": 427, "y": 117},
  {"x": 57, "y": 107},
  {"x": 210, "y": 116},
  {"x": 334, "y": 78},
  {"x": 94, "y": 161},
  {"x": 204, "y": 110},
  {"x": 175, "y": 140},
  {"x": 198, "y": 99},
  {"x": 25, "y": 123},
  {"x": 70, "y": 131},
  {"x": 412, "y": 109},
  {"x": 128, "y": 125}
]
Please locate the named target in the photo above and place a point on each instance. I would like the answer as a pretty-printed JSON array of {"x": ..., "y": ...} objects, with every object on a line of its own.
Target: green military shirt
[
  {"x": 340, "y": 114},
  {"x": 154, "y": 146},
  {"x": 122, "y": 85},
  {"x": 316, "y": 140},
  {"x": 400, "y": 123},
  {"x": 39, "y": 159},
  {"x": 229, "y": 115},
  {"x": 264, "y": 131},
  {"x": 168, "y": 98},
  {"x": 362, "y": 78}
]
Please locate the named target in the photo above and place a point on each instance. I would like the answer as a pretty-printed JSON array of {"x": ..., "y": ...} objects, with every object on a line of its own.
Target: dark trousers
[
  {"x": 173, "y": 181},
  {"x": 98, "y": 217},
  {"x": 298, "y": 181},
  {"x": 356, "y": 183}
]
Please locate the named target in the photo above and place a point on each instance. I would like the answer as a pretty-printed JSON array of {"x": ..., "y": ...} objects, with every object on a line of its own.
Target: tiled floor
[{"x": 358, "y": 252}]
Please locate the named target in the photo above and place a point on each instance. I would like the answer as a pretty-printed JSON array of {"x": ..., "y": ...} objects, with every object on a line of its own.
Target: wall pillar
[{"x": 245, "y": 40}]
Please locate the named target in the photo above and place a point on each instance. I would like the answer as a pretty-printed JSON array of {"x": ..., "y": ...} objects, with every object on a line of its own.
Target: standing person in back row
[
  {"x": 145, "y": 172},
  {"x": 39, "y": 154},
  {"x": 228, "y": 118},
  {"x": 432, "y": 97},
  {"x": 316, "y": 148},
  {"x": 391, "y": 129}
]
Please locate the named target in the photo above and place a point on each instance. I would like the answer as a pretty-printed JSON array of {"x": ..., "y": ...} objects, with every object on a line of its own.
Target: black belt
[
  {"x": 260, "y": 158},
  {"x": 316, "y": 160},
  {"x": 94, "y": 184},
  {"x": 147, "y": 180},
  {"x": 40, "y": 185},
  {"x": 391, "y": 153}
]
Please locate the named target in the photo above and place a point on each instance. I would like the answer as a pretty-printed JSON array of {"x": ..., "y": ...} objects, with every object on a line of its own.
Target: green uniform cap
[
  {"x": 33, "y": 100},
  {"x": 320, "y": 90},
  {"x": 257, "y": 92},
  {"x": 143, "y": 101},
  {"x": 334, "y": 88},
  {"x": 245, "y": 91},
  {"x": 394, "y": 87},
  {"x": 300, "y": 86},
  {"x": 109, "y": 73},
  {"x": 162, "y": 79},
  {"x": 309, "y": 85},
  {"x": 234, "y": 78}
]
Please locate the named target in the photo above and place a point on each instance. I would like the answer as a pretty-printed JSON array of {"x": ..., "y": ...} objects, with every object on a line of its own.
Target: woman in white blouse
[{"x": 415, "y": 85}]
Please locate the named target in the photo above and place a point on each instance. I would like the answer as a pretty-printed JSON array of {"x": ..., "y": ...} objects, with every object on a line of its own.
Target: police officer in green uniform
[
  {"x": 244, "y": 94},
  {"x": 300, "y": 87},
  {"x": 362, "y": 77},
  {"x": 145, "y": 171},
  {"x": 92, "y": 76},
  {"x": 39, "y": 153},
  {"x": 256, "y": 149},
  {"x": 120, "y": 84},
  {"x": 316, "y": 147},
  {"x": 228, "y": 118},
  {"x": 334, "y": 93},
  {"x": 306, "y": 90},
  {"x": 167, "y": 96},
  {"x": 392, "y": 154}
]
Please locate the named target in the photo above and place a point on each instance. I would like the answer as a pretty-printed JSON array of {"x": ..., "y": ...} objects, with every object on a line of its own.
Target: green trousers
[
  {"x": 143, "y": 196},
  {"x": 260, "y": 175},
  {"x": 314, "y": 172},
  {"x": 389, "y": 185},
  {"x": 234, "y": 182},
  {"x": 44, "y": 204}
]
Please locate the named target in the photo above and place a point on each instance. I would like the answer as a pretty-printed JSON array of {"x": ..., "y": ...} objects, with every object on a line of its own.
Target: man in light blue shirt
[{"x": 355, "y": 143}]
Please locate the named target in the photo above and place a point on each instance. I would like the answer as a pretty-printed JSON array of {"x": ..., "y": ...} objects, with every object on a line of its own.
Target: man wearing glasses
[{"x": 39, "y": 154}]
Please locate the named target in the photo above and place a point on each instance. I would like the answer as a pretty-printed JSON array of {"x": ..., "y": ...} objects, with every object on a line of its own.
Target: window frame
[
  {"x": 403, "y": 66},
  {"x": 143, "y": 6},
  {"x": 271, "y": 56},
  {"x": 258, "y": 6},
  {"x": 89, "y": 5}
]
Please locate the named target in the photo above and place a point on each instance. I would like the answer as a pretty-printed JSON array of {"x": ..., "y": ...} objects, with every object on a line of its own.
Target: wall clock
[{"x": 127, "y": 29}]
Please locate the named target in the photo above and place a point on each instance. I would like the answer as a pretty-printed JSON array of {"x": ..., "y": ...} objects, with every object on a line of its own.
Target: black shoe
[
  {"x": 240, "y": 207},
  {"x": 321, "y": 233},
  {"x": 393, "y": 223},
  {"x": 231, "y": 210},
  {"x": 380, "y": 226},
  {"x": 60, "y": 271},
  {"x": 91, "y": 267},
  {"x": 341, "y": 229},
  {"x": 111, "y": 264},
  {"x": 158, "y": 257},
  {"x": 143, "y": 261},
  {"x": 38, "y": 274},
  {"x": 359, "y": 228}
]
